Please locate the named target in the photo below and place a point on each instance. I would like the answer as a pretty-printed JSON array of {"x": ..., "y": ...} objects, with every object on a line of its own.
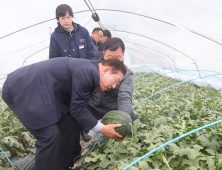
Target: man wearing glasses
[
  {"x": 106, "y": 35},
  {"x": 96, "y": 36}
]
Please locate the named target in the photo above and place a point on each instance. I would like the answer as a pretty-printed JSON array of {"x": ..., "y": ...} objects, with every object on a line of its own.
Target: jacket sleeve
[
  {"x": 54, "y": 49},
  {"x": 125, "y": 94},
  {"x": 90, "y": 48},
  {"x": 82, "y": 86}
]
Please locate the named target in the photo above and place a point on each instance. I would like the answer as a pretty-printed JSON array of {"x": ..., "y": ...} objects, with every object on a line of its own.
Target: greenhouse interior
[{"x": 174, "y": 50}]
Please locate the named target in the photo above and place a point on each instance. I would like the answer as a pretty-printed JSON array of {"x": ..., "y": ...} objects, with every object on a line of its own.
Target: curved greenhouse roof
[{"x": 168, "y": 34}]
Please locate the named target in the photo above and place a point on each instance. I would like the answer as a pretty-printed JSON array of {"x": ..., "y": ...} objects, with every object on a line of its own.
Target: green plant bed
[
  {"x": 162, "y": 118},
  {"x": 15, "y": 140}
]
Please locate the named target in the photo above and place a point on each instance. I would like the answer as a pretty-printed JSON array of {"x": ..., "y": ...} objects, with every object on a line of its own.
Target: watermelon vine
[
  {"x": 15, "y": 140},
  {"x": 162, "y": 118}
]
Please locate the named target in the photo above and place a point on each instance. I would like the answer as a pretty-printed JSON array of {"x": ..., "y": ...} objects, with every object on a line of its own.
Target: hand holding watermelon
[
  {"x": 117, "y": 117},
  {"x": 109, "y": 131}
]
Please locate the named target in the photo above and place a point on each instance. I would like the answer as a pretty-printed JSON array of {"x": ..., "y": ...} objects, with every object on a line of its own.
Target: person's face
[
  {"x": 118, "y": 54},
  {"x": 66, "y": 21},
  {"x": 98, "y": 35},
  {"x": 103, "y": 40},
  {"x": 109, "y": 80}
]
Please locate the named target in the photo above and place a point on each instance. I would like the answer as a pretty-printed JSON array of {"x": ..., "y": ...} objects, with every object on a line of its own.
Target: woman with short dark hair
[{"x": 70, "y": 39}]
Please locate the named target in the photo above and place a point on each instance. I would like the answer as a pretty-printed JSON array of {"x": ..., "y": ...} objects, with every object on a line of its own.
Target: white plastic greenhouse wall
[{"x": 178, "y": 37}]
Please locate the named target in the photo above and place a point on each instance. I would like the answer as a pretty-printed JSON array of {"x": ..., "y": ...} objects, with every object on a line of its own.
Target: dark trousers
[{"x": 57, "y": 144}]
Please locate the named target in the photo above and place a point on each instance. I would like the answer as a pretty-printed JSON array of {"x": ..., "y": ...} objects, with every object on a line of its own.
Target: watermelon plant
[
  {"x": 15, "y": 140},
  {"x": 162, "y": 118}
]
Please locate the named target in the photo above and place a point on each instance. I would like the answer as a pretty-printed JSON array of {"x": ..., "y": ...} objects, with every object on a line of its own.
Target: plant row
[{"x": 161, "y": 118}]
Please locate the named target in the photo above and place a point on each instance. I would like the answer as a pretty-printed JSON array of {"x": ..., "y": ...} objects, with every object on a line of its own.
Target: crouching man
[{"x": 50, "y": 99}]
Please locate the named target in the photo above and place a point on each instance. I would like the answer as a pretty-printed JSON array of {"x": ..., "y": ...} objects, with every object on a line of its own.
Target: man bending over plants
[{"x": 50, "y": 99}]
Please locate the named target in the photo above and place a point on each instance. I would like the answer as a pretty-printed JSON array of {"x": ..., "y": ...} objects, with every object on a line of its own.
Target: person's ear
[
  {"x": 107, "y": 69},
  {"x": 104, "y": 71},
  {"x": 103, "y": 53}
]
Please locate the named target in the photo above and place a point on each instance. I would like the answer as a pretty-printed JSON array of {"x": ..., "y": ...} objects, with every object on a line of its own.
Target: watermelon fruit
[{"x": 118, "y": 117}]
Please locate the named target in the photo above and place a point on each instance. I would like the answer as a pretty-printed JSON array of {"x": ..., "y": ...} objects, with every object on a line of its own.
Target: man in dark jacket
[
  {"x": 75, "y": 44},
  {"x": 119, "y": 98},
  {"x": 97, "y": 35},
  {"x": 50, "y": 99},
  {"x": 106, "y": 35}
]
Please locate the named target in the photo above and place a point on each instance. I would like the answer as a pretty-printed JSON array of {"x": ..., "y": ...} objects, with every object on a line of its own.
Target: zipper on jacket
[
  {"x": 72, "y": 49},
  {"x": 70, "y": 45}
]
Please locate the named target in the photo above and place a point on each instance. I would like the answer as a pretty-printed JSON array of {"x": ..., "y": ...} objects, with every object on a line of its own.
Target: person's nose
[{"x": 114, "y": 86}]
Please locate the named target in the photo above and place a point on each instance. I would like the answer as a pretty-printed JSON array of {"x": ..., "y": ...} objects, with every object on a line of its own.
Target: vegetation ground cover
[
  {"x": 162, "y": 118},
  {"x": 15, "y": 140}
]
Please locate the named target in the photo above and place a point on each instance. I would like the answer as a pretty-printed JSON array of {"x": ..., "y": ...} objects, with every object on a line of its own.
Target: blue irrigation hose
[
  {"x": 199, "y": 70},
  {"x": 96, "y": 143},
  {"x": 6, "y": 156},
  {"x": 157, "y": 76},
  {"x": 187, "y": 70},
  {"x": 173, "y": 86},
  {"x": 175, "y": 71},
  {"x": 202, "y": 71},
  {"x": 166, "y": 73},
  {"x": 182, "y": 136},
  {"x": 196, "y": 70}
]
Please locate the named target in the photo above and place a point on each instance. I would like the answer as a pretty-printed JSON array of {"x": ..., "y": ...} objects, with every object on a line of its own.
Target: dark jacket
[
  {"x": 94, "y": 44},
  {"x": 39, "y": 94},
  {"x": 76, "y": 44},
  {"x": 100, "y": 46},
  {"x": 119, "y": 98},
  {"x": 98, "y": 54}
]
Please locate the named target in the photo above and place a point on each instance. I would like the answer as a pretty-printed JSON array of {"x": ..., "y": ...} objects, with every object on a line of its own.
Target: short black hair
[
  {"x": 62, "y": 9},
  {"x": 97, "y": 29},
  {"x": 113, "y": 44},
  {"x": 106, "y": 33},
  {"x": 116, "y": 65}
]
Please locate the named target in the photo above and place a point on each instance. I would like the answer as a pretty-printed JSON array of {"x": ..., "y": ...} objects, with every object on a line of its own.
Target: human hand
[{"x": 109, "y": 131}]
